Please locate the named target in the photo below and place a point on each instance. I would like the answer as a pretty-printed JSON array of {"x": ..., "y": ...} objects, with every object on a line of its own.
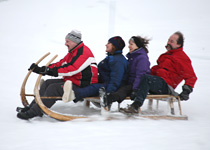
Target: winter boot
[
  {"x": 22, "y": 109},
  {"x": 105, "y": 98},
  {"x": 78, "y": 100},
  {"x": 131, "y": 109},
  {"x": 109, "y": 99},
  {"x": 28, "y": 115},
  {"x": 68, "y": 94},
  {"x": 26, "y": 108},
  {"x": 25, "y": 115},
  {"x": 102, "y": 95}
]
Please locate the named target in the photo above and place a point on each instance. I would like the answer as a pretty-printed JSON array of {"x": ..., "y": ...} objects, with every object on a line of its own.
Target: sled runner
[
  {"x": 168, "y": 98},
  {"x": 22, "y": 91}
]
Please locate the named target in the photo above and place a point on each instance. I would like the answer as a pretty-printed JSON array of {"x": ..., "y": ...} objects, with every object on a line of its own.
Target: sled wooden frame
[
  {"x": 62, "y": 117},
  {"x": 22, "y": 90},
  {"x": 167, "y": 98}
]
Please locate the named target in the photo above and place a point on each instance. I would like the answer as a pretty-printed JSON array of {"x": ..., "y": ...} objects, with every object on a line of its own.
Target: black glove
[
  {"x": 133, "y": 95},
  {"x": 48, "y": 71},
  {"x": 186, "y": 90},
  {"x": 35, "y": 68}
]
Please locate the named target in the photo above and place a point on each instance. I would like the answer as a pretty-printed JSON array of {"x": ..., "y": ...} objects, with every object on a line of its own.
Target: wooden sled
[{"x": 62, "y": 117}]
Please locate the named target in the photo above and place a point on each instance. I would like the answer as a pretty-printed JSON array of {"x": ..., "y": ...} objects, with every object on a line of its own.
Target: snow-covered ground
[{"x": 31, "y": 28}]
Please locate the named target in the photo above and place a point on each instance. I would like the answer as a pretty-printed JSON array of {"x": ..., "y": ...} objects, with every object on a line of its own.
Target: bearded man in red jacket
[{"x": 172, "y": 67}]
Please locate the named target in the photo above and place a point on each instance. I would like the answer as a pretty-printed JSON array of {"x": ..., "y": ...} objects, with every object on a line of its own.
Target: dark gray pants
[
  {"x": 54, "y": 88},
  {"x": 51, "y": 87},
  {"x": 121, "y": 93}
]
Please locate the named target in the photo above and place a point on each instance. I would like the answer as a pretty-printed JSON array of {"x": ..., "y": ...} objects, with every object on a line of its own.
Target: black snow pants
[
  {"x": 121, "y": 93},
  {"x": 51, "y": 87}
]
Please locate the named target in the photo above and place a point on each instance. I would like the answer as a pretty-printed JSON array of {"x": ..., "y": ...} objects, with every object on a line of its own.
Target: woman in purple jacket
[{"x": 139, "y": 66}]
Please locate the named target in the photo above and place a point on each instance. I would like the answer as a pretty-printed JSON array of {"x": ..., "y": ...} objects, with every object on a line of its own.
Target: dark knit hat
[
  {"x": 118, "y": 42},
  {"x": 74, "y": 36},
  {"x": 137, "y": 41}
]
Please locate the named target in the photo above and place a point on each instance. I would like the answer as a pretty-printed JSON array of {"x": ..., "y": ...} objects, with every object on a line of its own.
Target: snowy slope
[{"x": 31, "y": 28}]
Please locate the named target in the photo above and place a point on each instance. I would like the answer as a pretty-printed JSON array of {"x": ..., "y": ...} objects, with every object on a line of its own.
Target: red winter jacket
[
  {"x": 79, "y": 66},
  {"x": 175, "y": 66}
]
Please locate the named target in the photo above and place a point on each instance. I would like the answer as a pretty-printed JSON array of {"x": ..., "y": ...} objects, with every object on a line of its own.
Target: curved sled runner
[{"x": 22, "y": 91}]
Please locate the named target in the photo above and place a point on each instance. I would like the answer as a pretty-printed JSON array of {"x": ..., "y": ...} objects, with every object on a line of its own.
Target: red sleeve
[
  {"x": 76, "y": 63},
  {"x": 185, "y": 69},
  {"x": 58, "y": 64},
  {"x": 187, "y": 72}
]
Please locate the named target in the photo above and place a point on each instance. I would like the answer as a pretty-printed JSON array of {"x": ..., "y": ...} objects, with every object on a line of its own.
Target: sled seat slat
[{"x": 170, "y": 98}]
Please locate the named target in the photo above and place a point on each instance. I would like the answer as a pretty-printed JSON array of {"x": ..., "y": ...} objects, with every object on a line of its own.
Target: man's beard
[{"x": 169, "y": 47}]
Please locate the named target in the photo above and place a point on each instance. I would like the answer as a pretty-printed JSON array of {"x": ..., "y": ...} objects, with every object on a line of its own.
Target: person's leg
[
  {"x": 51, "y": 88},
  {"x": 41, "y": 92},
  {"x": 149, "y": 84},
  {"x": 46, "y": 83},
  {"x": 120, "y": 94},
  {"x": 45, "y": 91},
  {"x": 88, "y": 91}
]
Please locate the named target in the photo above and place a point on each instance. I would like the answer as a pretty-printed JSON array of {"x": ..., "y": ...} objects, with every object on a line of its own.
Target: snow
[{"x": 31, "y": 28}]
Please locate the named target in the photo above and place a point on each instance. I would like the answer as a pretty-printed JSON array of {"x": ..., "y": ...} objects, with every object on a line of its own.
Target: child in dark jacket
[{"x": 112, "y": 70}]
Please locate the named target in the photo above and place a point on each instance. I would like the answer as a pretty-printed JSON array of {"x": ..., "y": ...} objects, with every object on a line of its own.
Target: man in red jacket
[
  {"x": 78, "y": 66},
  {"x": 172, "y": 67}
]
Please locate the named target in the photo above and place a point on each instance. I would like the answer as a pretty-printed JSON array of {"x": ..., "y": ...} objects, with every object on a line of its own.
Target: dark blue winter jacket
[
  {"x": 113, "y": 71},
  {"x": 138, "y": 66}
]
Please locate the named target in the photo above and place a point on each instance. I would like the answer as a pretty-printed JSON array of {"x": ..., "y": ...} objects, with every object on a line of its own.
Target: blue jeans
[
  {"x": 88, "y": 91},
  {"x": 150, "y": 84}
]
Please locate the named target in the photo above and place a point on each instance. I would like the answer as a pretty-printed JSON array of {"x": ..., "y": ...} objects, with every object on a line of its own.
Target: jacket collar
[
  {"x": 77, "y": 47},
  {"x": 175, "y": 50},
  {"x": 137, "y": 51},
  {"x": 115, "y": 53}
]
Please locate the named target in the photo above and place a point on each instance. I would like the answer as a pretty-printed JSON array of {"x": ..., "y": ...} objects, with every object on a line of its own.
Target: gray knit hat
[{"x": 74, "y": 36}]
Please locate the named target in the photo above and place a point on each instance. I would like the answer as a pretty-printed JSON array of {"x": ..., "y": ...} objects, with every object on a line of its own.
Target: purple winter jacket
[{"x": 139, "y": 66}]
